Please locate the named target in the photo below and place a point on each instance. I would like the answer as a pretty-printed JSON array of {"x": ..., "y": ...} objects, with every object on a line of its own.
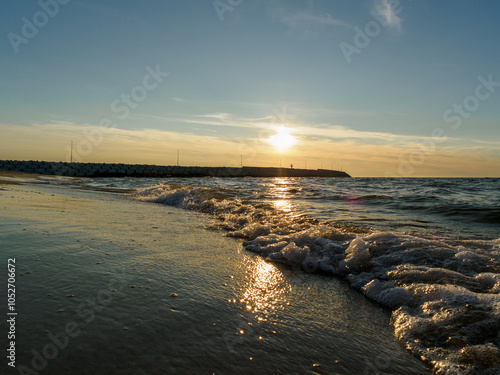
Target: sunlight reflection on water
[
  {"x": 265, "y": 292},
  {"x": 283, "y": 205}
]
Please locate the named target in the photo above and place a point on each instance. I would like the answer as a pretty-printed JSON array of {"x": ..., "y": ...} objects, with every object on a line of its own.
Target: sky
[{"x": 376, "y": 88}]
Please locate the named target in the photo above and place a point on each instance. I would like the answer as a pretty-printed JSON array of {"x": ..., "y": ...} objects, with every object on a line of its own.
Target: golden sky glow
[
  {"x": 282, "y": 140},
  {"x": 358, "y": 153}
]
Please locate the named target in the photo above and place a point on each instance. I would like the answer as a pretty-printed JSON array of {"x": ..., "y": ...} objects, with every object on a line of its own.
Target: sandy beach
[{"x": 108, "y": 285}]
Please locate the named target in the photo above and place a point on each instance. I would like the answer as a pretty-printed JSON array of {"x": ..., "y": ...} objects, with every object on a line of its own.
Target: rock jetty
[{"x": 146, "y": 170}]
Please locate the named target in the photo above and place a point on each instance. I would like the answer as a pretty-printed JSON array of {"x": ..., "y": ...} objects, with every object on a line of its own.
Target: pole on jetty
[
  {"x": 177, "y": 157},
  {"x": 71, "y": 157}
]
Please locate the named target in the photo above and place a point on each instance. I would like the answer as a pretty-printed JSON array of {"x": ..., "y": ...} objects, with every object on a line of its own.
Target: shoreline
[
  {"x": 15, "y": 178},
  {"x": 149, "y": 290}
]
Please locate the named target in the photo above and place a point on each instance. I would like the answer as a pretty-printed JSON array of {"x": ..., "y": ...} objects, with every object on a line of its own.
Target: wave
[
  {"x": 444, "y": 293},
  {"x": 435, "y": 205}
]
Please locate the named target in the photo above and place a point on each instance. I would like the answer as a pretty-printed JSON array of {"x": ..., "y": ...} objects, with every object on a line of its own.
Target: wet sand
[
  {"x": 108, "y": 285},
  {"x": 15, "y": 178}
]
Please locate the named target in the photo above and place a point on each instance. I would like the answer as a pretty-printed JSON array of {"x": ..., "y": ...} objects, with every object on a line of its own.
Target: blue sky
[{"x": 405, "y": 103}]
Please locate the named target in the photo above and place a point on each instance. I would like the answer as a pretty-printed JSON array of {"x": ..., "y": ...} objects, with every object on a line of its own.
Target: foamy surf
[{"x": 444, "y": 292}]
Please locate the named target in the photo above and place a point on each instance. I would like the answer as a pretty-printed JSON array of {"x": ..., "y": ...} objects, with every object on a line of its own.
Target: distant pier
[{"x": 146, "y": 170}]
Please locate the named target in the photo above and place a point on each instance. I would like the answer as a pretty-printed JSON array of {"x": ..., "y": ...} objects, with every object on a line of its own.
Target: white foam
[
  {"x": 386, "y": 293},
  {"x": 489, "y": 281},
  {"x": 444, "y": 291},
  {"x": 357, "y": 255},
  {"x": 254, "y": 230},
  {"x": 294, "y": 253},
  {"x": 422, "y": 274}
]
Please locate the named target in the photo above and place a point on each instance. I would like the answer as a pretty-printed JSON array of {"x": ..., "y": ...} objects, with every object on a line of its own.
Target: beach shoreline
[
  {"x": 127, "y": 287},
  {"x": 15, "y": 178}
]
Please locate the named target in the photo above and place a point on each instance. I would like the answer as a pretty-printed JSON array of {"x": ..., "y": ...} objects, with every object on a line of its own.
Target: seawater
[{"x": 428, "y": 249}]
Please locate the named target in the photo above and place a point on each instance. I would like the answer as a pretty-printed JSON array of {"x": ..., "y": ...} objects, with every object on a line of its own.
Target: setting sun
[{"x": 282, "y": 140}]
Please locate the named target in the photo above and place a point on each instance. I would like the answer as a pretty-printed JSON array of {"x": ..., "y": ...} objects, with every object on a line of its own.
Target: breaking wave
[{"x": 444, "y": 292}]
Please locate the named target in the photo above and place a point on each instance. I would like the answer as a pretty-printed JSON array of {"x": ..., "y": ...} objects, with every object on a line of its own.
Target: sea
[{"x": 425, "y": 249}]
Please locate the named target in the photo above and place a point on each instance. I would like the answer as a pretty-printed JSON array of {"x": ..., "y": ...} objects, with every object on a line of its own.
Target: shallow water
[
  {"x": 120, "y": 261},
  {"x": 450, "y": 206},
  {"x": 427, "y": 249}
]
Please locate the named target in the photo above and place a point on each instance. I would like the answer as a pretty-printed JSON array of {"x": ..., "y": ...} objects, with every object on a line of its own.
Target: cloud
[
  {"x": 361, "y": 153},
  {"x": 93, "y": 144},
  {"x": 306, "y": 18},
  {"x": 388, "y": 11},
  {"x": 305, "y": 130},
  {"x": 305, "y": 21},
  {"x": 313, "y": 131},
  {"x": 220, "y": 116}
]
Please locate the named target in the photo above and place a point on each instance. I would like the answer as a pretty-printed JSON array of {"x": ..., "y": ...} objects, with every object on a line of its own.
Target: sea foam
[{"x": 444, "y": 292}]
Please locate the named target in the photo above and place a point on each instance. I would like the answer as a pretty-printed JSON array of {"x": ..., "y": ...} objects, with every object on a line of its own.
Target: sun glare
[{"x": 282, "y": 140}]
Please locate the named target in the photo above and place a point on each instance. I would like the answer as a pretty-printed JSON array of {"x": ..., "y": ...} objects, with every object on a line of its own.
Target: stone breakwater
[{"x": 145, "y": 170}]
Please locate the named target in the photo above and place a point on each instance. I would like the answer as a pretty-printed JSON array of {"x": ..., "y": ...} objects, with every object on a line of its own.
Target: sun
[{"x": 282, "y": 140}]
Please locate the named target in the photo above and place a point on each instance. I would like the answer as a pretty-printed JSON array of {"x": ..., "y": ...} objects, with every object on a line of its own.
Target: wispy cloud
[
  {"x": 216, "y": 119},
  {"x": 307, "y": 131},
  {"x": 219, "y": 116},
  {"x": 306, "y": 21},
  {"x": 152, "y": 146},
  {"x": 307, "y": 18},
  {"x": 389, "y": 14},
  {"x": 361, "y": 153}
]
